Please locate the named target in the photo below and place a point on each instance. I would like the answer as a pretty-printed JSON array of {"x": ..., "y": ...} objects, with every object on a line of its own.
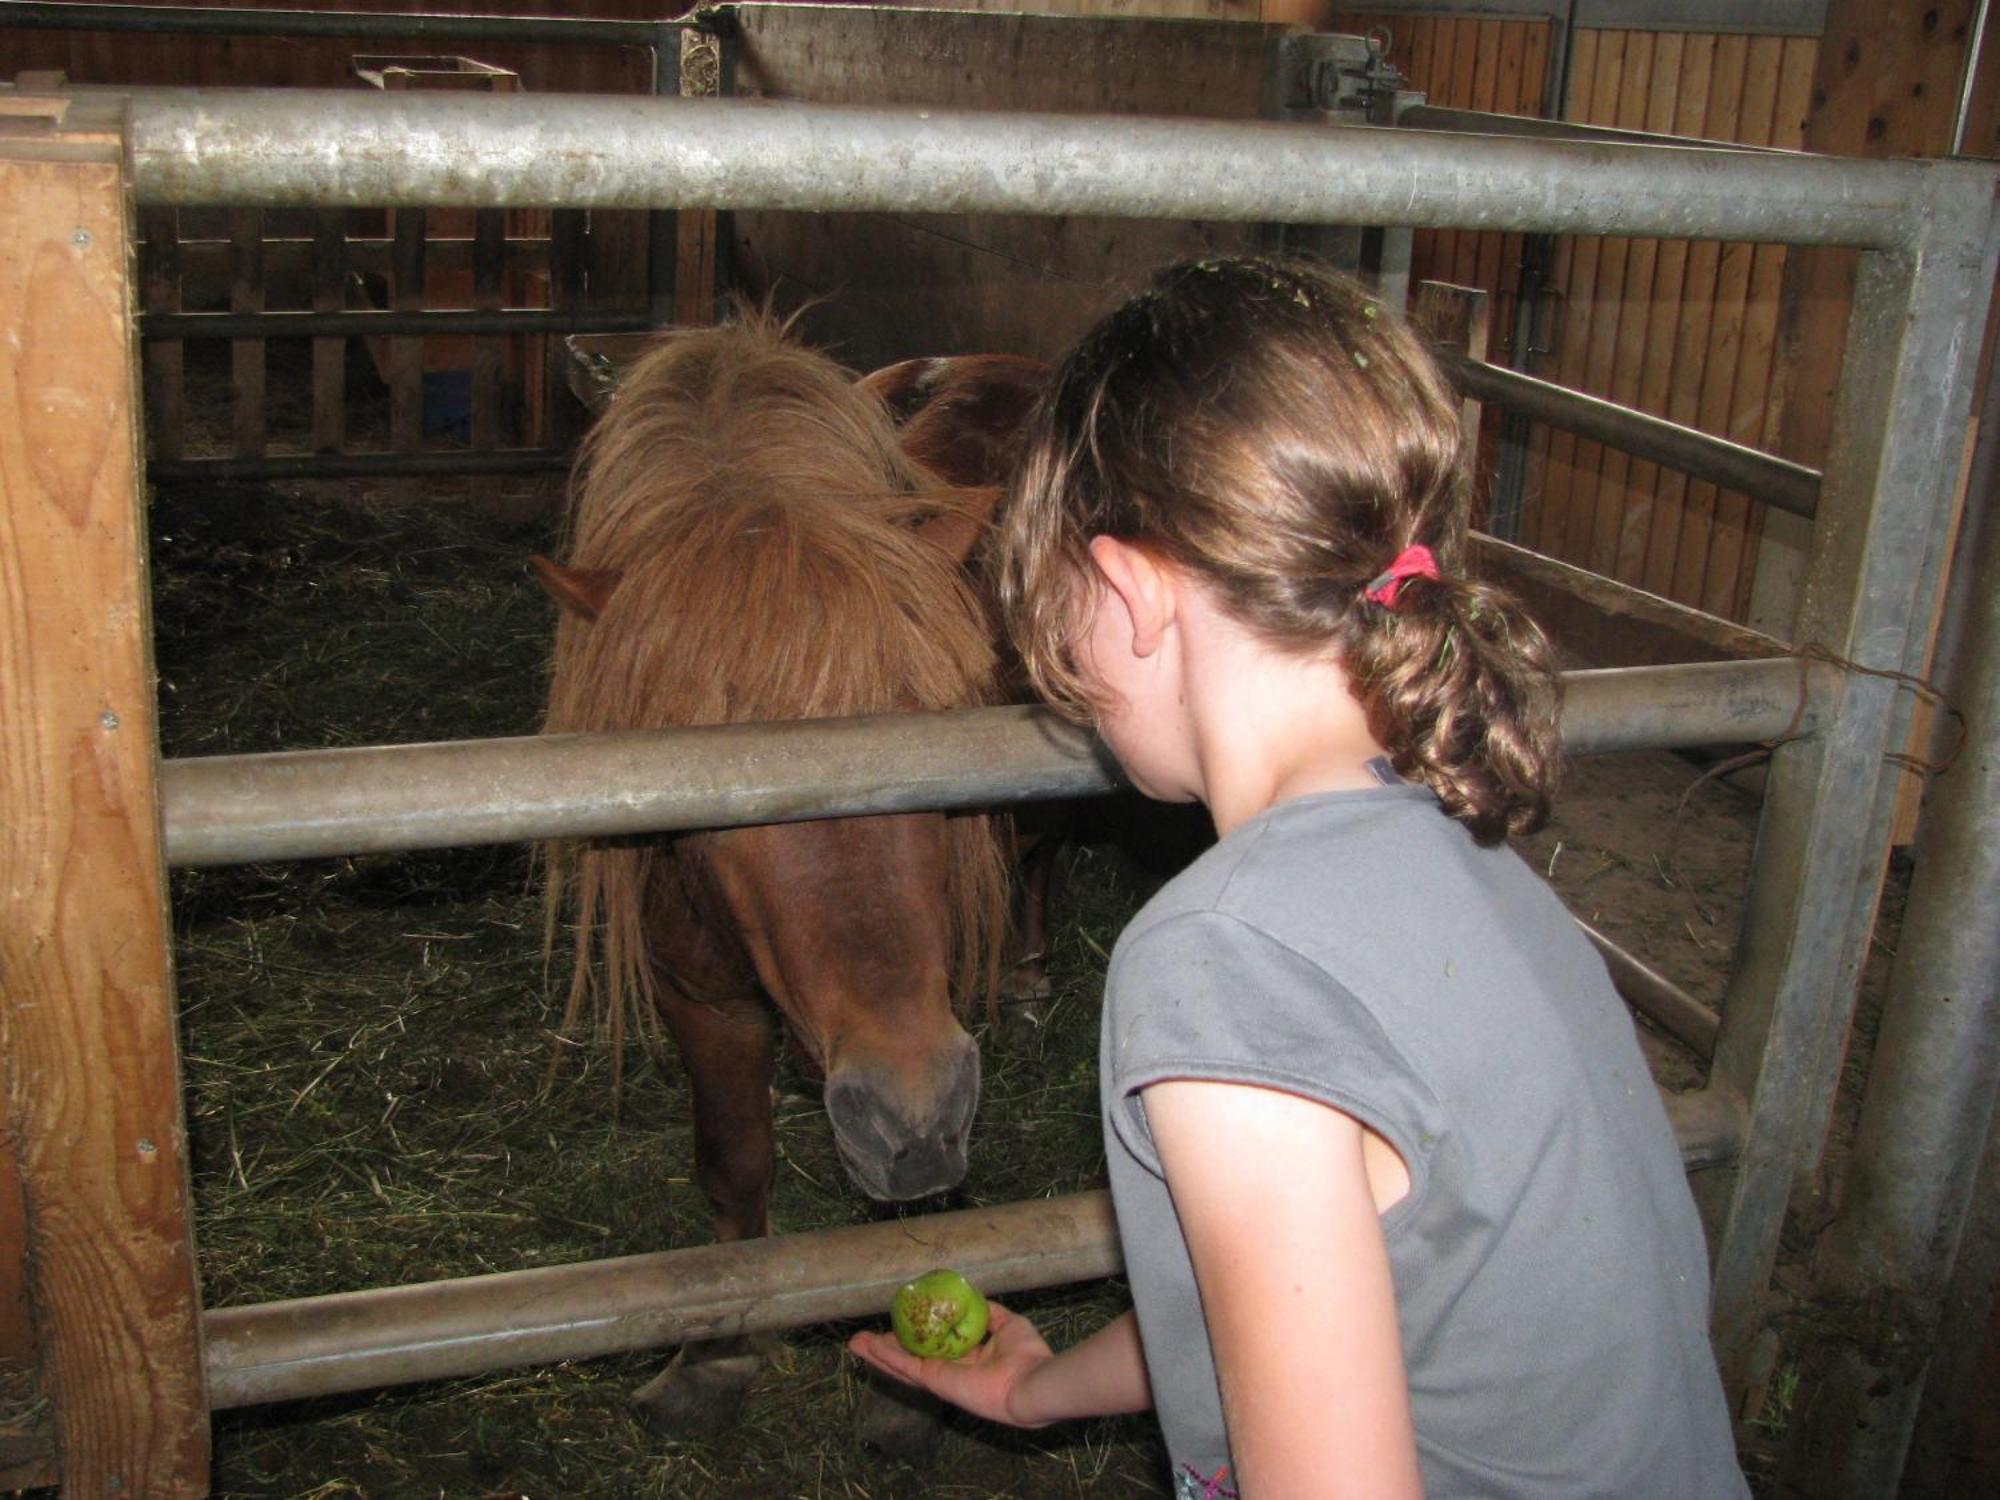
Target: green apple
[{"x": 940, "y": 1315}]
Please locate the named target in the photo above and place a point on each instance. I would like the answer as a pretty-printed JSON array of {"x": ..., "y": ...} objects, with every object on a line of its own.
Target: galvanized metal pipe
[
  {"x": 1930, "y": 1100},
  {"x": 1891, "y": 477},
  {"x": 193, "y": 20},
  {"x": 301, "y": 325},
  {"x": 336, "y": 148},
  {"x": 1657, "y": 997},
  {"x": 302, "y": 804},
  {"x": 1762, "y": 476},
  {"x": 352, "y": 1341},
  {"x": 1532, "y": 127},
  {"x": 359, "y": 465}
]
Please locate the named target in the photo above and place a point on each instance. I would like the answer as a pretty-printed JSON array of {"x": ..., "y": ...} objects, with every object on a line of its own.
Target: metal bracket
[
  {"x": 36, "y": 103},
  {"x": 1333, "y": 73}
]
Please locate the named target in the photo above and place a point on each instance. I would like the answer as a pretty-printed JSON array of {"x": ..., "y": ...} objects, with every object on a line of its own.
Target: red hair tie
[{"x": 1411, "y": 562}]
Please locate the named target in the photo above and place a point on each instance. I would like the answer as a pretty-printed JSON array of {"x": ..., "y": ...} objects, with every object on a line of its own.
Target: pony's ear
[
  {"x": 902, "y": 387},
  {"x": 582, "y": 591},
  {"x": 956, "y": 529}
]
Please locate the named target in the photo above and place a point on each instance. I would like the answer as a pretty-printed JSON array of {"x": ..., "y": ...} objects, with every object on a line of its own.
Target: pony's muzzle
[{"x": 898, "y": 1141}]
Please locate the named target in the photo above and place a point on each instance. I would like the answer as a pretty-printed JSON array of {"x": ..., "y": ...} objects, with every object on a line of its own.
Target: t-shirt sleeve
[{"x": 1205, "y": 995}]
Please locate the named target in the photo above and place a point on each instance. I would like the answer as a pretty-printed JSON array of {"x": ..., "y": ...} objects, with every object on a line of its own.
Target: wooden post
[
  {"x": 87, "y": 1045},
  {"x": 1457, "y": 318}
]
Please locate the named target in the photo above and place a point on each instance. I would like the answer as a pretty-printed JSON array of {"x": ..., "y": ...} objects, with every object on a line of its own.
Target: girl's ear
[{"x": 1143, "y": 586}]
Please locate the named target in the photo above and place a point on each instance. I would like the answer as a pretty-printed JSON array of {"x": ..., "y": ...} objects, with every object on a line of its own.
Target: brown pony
[{"x": 749, "y": 541}]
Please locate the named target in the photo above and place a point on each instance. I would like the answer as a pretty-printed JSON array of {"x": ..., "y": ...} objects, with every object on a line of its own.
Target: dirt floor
[{"x": 366, "y": 1040}]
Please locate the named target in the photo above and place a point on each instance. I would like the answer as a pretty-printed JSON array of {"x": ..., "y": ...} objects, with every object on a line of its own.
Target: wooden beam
[
  {"x": 87, "y": 1041},
  {"x": 1600, "y": 622}
]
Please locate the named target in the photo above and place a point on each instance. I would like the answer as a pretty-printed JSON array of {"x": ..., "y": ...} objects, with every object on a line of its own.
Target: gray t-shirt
[{"x": 1358, "y": 948}]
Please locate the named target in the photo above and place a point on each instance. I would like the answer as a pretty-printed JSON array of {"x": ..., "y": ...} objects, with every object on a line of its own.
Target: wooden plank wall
[
  {"x": 1468, "y": 62},
  {"x": 904, "y": 285},
  {"x": 1682, "y": 329}
]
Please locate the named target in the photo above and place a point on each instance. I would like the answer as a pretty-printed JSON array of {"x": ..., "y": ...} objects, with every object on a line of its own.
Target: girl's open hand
[{"x": 983, "y": 1382}]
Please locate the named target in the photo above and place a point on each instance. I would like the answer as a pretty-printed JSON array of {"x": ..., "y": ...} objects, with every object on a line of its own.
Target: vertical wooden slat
[
  {"x": 1627, "y": 316},
  {"x": 1743, "y": 418},
  {"x": 1498, "y": 250},
  {"x": 1795, "y": 93},
  {"x": 1625, "y": 265},
  {"x": 1794, "y": 97},
  {"x": 489, "y": 354},
  {"x": 1484, "y": 96},
  {"x": 1590, "y": 97},
  {"x": 406, "y": 354},
  {"x": 1698, "y": 113},
  {"x": 1679, "y": 99},
  {"x": 1725, "y": 332},
  {"x": 166, "y": 369},
  {"x": 329, "y": 356},
  {"x": 247, "y": 356},
  {"x": 87, "y": 1039}
]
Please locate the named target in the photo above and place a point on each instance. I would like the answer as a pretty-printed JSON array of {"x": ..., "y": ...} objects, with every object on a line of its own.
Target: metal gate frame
[{"x": 1927, "y": 236}]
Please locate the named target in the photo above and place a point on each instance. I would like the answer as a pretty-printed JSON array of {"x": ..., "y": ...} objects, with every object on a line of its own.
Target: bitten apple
[{"x": 940, "y": 1315}]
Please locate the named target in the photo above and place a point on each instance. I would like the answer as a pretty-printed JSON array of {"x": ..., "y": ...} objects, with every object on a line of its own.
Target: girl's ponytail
[{"x": 1461, "y": 689}]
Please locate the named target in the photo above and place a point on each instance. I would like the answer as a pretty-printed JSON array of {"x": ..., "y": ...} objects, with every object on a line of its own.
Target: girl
[{"x": 1399, "y": 1203}]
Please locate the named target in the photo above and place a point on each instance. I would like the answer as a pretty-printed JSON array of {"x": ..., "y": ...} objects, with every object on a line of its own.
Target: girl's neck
[{"x": 1268, "y": 726}]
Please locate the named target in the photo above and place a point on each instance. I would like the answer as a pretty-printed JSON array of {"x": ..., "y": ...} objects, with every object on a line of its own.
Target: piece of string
[{"x": 1926, "y": 690}]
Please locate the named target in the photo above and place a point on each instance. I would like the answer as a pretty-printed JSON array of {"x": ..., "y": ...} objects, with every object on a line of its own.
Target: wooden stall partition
[
  {"x": 1685, "y": 330},
  {"x": 488, "y": 389},
  {"x": 1887, "y": 84},
  {"x": 1499, "y": 65},
  {"x": 904, "y": 285},
  {"x": 203, "y": 260},
  {"x": 88, "y": 1059}
]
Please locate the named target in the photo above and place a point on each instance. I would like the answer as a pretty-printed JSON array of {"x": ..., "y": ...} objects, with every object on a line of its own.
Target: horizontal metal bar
[
  {"x": 365, "y": 148},
  {"x": 295, "y": 805},
  {"x": 1762, "y": 476},
  {"x": 359, "y": 465},
  {"x": 1482, "y": 122},
  {"x": 301, "y": 325},
  {"x": 1758, "y": 17},
  {"x": 352, "y": 1341},
  {"x": 1708, "y": 1126},
  {"x": 1657, "y": 997},
  {"x": 191, "y": 20},
  {"x": 304, "y": 804}
]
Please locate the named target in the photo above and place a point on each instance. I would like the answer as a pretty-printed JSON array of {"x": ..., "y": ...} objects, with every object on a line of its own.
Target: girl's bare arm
[{"x": 1285, "y": 1235}]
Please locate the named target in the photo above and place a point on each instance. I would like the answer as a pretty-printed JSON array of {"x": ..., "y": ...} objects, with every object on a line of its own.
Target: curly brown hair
[{"x": 1275, "y": 430}]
